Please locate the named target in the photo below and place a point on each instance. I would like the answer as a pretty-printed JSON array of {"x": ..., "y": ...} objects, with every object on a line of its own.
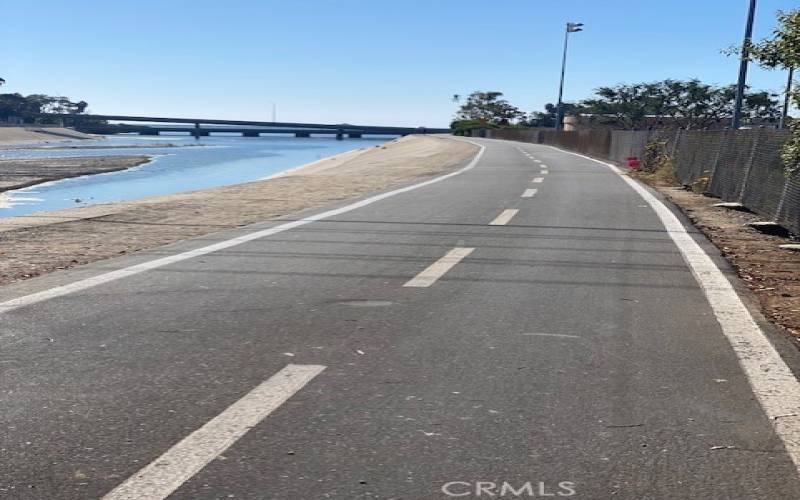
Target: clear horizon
[{"x": 361, "y": 62}]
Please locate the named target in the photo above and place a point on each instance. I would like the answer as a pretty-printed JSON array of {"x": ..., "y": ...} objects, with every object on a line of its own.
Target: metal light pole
[
  {"x": 748, "y": 34},
  {"x": 571, "y": 28},
  {"x": 786, "y": 99}
]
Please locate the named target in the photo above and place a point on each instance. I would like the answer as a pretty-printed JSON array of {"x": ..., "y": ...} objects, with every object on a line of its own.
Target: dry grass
[{"x": 41, "y": 243}]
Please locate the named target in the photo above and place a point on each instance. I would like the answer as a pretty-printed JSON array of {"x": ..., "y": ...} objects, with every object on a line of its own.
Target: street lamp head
[{"x": 573, "y": 27}]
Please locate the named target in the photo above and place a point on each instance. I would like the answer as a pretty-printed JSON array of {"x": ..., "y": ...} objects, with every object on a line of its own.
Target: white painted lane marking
[
  {"x": 538, "y": 179},
  {"x": 543, "y": 166},
  {"x": 537, "y": 161},
  {"x": 561, "y": 335},
  {"x": 504, "y": 218},
  {"x": 84, "y": 284},
  {"x": 178, "y": 464},
  {"x": 772, "y": 382},
  {"x": 436, "y": 270},
  {"x": 528, "y": 193},
  {"x": 544, "y": 172}
]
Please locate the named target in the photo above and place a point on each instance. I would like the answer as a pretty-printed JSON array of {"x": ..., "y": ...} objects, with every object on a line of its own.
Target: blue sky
[{"x": 360, "y": 61}]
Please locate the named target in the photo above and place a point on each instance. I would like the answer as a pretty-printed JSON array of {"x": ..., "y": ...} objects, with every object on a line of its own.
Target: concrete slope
[{"x": 487, "y": 333}]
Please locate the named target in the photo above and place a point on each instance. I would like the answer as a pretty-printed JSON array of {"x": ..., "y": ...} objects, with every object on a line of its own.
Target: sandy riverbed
[
  {"x": 20, "y": 173},
  {"x": 44, "y": 242}
]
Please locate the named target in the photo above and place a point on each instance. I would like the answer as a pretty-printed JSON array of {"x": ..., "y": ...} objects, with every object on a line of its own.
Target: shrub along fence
[{"x": 735, "y": 165}]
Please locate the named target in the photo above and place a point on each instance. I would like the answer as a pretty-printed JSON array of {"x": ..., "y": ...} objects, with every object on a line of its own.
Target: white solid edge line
[
  {"x": 177, "y": 465},
  {"x": 560, "y": 335},
  {"x": 438, "y": 269},
  {"x": 528, "y": 193},
  {"x": 504, "y": 217},
  {"x": 773, "y": 383},
  {"x": 84, "y": 284},
  {"x": 538, "y": 179}
]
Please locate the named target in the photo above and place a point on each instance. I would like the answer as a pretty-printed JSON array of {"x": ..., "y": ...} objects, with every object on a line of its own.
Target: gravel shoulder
[
  {"x": 772, "y": 273},
  {"x": 48, "y": 241}
]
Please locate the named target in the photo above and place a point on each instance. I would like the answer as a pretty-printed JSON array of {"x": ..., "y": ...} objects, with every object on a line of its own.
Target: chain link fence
[{"x": 742, "y": 166}]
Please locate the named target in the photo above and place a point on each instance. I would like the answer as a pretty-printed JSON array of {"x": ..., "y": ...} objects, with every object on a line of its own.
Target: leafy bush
[
  {"x": 658, "y": 164},
  {"x": 462, "y": 127}
]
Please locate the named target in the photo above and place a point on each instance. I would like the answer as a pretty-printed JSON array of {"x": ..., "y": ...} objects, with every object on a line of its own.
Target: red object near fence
[{"x": 633, "y": 162}]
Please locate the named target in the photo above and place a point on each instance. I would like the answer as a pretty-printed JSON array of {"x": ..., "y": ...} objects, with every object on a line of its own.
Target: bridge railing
[{"x": 198, "y": 122}]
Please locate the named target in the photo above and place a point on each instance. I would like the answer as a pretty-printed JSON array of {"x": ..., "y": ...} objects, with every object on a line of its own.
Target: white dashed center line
[
  {"x": 529, "y": 193},
  {"x": 538, "y": 179},
  {"x": 436, "y": 270},
  {"x": 504, "y": 218},
  {"x": 177, "y": 465}
]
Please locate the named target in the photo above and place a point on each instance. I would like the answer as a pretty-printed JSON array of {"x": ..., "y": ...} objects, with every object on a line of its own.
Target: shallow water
[{"x": 223, "y": 160}]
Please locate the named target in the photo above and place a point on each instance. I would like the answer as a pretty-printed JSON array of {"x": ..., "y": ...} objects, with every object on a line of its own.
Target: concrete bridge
[{"x": 203, "y": 127}]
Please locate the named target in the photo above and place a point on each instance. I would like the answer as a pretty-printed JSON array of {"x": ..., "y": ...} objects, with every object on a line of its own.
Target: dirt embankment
[
  {"x": 772, "y": 273},
  {"x": 19, "y": 173},
  {"x": 40, "y": 243},
  {"x": 10, "y": 136}
]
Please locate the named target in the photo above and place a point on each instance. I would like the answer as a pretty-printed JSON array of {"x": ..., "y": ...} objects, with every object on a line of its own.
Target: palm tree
[{"x": 2, "y": 81}]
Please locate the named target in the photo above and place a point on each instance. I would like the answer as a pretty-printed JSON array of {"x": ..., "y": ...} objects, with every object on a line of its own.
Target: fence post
[
  {"x": 749, "y": 164},
  {"x": 782, "y": 199},
  {"x": 675, "y": 145},
  {"x": 717, "y": 157}
]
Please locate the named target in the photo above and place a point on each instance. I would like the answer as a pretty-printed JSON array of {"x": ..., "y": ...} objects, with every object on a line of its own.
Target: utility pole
[
  {"x": 571, "y": 28},
  {"x": 740, "y": 85},
  {"x": 786, "y": 99}
]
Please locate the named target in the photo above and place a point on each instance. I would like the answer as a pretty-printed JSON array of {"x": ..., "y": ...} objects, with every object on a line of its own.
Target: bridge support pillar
[
  {"x": 197, "y": 132},
  {"x": 302, "y": 134},
  {"x": 339, "y": 135}
]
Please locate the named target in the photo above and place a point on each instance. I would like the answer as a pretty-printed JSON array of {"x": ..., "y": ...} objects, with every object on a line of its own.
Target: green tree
[
  {"x": 488, "y": 108},
  {"x": 782, "y": 50},
  {"x": 547, "y": 118},
  {"x": 669, "y": 103},
  {"x": 31, "y": 107},
  {"x": 624, "y": 105}
]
